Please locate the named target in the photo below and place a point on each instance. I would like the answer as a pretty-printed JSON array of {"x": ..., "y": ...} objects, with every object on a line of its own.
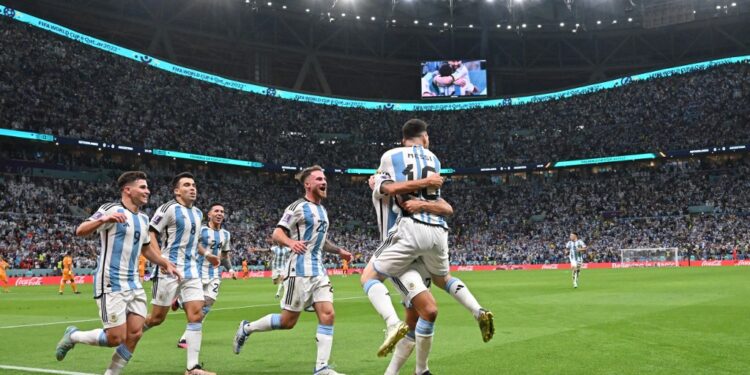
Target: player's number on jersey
[
  {"x": 192, "y": 228},
  {"x": 322, "y": 227},
  {"x": 137, "y": 236},
  {"x": 410, "y": 173}
]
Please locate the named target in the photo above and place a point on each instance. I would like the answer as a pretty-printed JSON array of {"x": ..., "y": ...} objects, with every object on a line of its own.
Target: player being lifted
[
  {"x": 217, "y": 241},
  {"x": 575, "y": 248},
  {"x": 303, "y": 229},
  {"x": 67, "y": 274},
  {"x": 422, "y": 234},
  {"x": 179, "y": 222},
  {"x": 278, "y": 263},
  {"x": 117, "y": 289}
]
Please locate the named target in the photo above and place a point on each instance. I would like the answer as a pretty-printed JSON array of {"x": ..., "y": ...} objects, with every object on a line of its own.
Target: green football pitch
[{"x": 624, "y": 321}]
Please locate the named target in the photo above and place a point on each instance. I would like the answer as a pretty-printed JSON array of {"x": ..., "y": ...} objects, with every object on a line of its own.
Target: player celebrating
[
  {"x": 67, "y": 274},
  {"x": 217, "y": 241},
  {"x": 575, "y": 248},
  {"x": 406, "y": 168},
  {"x": 179, "y": 221},
  {"x": 118, "y": 292},
  {"x": 303, "y": 229},
  {"x": 3, "y": 276}
]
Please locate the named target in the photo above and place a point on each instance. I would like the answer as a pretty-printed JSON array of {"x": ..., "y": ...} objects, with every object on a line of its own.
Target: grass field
[{"x": 628, "y": 321}]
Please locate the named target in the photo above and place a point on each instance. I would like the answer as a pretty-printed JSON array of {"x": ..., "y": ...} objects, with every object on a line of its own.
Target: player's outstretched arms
[
  {"x": 89, "y": 226},
  {"x": 330, "y": 247}
]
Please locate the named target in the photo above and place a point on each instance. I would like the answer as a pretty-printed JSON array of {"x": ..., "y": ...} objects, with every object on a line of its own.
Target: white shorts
[
  {"x": 276, "y": 273},
  {"x": 211, "y": 288},
  {"x": 114, "y": 307},
  {"x": 412, "y": 282},
  {"x": 576, "y": 262},
  {"x": 167, "y": 288},
  {"x": 412, "y": 240},
  {"x": 303, "y": 291}
]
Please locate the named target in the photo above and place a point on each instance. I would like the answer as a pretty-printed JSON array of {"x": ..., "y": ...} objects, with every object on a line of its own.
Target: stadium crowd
[
  {"x": 121, "y": 101},
  {"x": 508, "y": 219}
]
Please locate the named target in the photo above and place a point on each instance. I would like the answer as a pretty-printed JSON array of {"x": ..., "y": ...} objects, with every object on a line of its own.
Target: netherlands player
[
  {"x": 118, "y": 292},
  {"x": 3, "y": 276},
  {"x": 67, "y": 274},
  {"x": 179, "y": 221},
  {"x": 303, "y": 229},
  {"x": 575, "y": 247},
  {"x": 420, "y": 234},
  {"x": 217, "y": 241}
]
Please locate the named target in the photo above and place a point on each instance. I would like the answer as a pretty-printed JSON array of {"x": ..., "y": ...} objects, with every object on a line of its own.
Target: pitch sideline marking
[
  {"x": 42, "y": 370},
  {"x": 172, "y": 312}
]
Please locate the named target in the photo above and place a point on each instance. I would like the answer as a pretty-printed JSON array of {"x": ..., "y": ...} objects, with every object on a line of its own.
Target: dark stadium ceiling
[{"x": 372, "y": 48}]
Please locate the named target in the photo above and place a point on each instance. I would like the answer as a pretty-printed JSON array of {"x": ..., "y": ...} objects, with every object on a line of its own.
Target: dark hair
[
  {"x": 574, "y": 233},
  {"x": 302, "y": 176},
  {"x": 445, "y": 70},
  {"x": 414, "y": 128},
  {"x": 130, "y": 177},
  {"x": 176, "y": 179},
  {"x": 211, "y": 206}
]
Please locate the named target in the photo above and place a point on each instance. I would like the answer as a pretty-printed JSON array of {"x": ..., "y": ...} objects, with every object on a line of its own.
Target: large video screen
[{"x": 454, "y": 78}]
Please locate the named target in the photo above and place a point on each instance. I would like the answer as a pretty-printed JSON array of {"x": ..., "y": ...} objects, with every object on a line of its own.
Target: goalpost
[{"x": 659, "y": 255}]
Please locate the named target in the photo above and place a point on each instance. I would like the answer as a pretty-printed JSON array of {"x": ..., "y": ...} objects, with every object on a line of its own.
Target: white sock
[
  {"x": 425, "y": 332},
  {"x": 193, "y": 336},
  {"x": 278, "y": 290},
  {"x": 401, "y": 354},
  {"x": 120, "y": 358},
  {"x": 460, "y": 292},
  {"x": 95, "y": 337},
  {"x": 206, "y": 310},
  {"x": 381, "y": 301},
  {"x": 266, "y": 323},
  {"x": 324, "y": 337}
]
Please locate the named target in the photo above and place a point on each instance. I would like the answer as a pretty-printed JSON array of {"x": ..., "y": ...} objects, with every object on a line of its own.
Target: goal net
[{"x": 653, "y": 256}]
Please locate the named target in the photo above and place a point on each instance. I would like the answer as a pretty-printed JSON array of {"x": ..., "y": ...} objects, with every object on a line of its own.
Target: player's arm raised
[
  {"x": 437, "y": 207},
  {"x": 97, "y": 220},
  {"x": 332, "y": 248},
  {"x": 390, "y": 187}
]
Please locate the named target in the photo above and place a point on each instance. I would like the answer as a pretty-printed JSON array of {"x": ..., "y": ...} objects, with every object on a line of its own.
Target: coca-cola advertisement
[{"x": 47, "y": 280}]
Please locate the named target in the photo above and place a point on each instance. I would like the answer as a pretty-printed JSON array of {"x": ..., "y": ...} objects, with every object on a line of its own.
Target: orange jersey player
[
  {"x": 141, "y": 266},
  {"x": 245, "y": 271},
  {"x": 345, "y": 267},
  {"x": 67, "y": 274},
  {"x": 3, "y": 275}
]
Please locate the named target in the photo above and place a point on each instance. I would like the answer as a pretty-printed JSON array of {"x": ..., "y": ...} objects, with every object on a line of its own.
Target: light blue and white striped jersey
[
  {"x": 414, "y": 163},
  {"x": 121, "y": 243},
  {"x": 573, "y": 247},
  {"x": 215, "y": 242},
  {"x": 386, "y": 208},
  {"x": 179, "y": 227},
  {"x": 280, "y": 257},
  {"x": 308, "y": 222}
]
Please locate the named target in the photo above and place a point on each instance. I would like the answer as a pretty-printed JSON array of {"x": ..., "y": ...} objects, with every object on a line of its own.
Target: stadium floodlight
[
  {"x": 445, "y": 24},
  {"x": 429, "y": 24},
  {"x": 598, "y": 22},
  {"x": 630, "y": 19},
  {"x": 416, "y": 22},
  {"x": 575, "y": 30},
  {"x": 471, "y": 26},
  {"x": 510, "y": 27},
  {"x": 523, "y": 25},
  {"x": 270, "y": 3},
  {"x": 578, "y": 25},
  {"x": 372, "y": 18},
  {"x": 614, "y": 22},
  {"x": 562, "y": 24},
  {"x": 357, "y": 17},
  {"x": 498, "y": 25},
  {"x": 307, "y": 10},
  {"x": 393, "y": 21},
  {"x": 343, "y": 14},
  {"x": 283, "y": 7},
  {"x": 654, "y": 257},
  {"x": 734, "y": 4}
]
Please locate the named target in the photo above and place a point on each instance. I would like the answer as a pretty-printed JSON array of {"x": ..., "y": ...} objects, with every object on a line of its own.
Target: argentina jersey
[
  {"x": 215, "y": 242},
  {"x": 385, "y": 208},
  {"x": 308, "y": 222},
  {"x": 573, "y": 249},
  {"x": 280, "y": 257},
  {"x": 179, "y": 227},
  {"x": 121, "y": 243},
  {"x": 414, "y": 163}
]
